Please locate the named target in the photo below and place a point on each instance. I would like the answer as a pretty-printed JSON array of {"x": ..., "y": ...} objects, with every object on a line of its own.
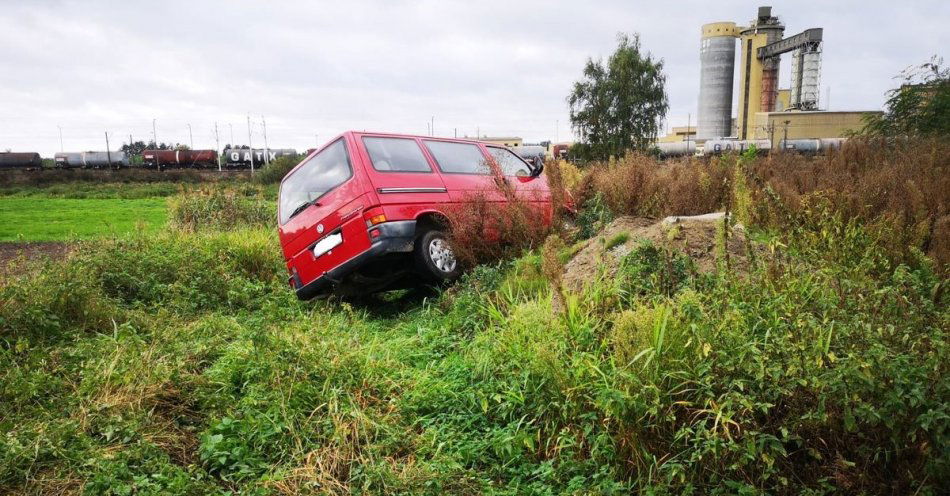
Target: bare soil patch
[{"x": 14, "y": 256}]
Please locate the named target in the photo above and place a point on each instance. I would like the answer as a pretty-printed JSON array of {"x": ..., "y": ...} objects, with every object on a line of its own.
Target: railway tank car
[
  {"x": 721, "y": 146},
  {"x": 91, "y": 160},
  {"x": 239, "y": 158},
  {"x": 165, "y": 159},
  {"x": 676, "y": 149},
  {"x": 17, "y": 160},
  {"x": 811, "y": 146}
]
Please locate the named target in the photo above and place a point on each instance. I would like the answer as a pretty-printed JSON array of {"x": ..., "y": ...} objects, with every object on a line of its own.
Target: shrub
[
  {"x": 276, "y": 170},
  {"x": 593, "y": 216},
  {"x": 498, "y": 222},
  {"x": 217, "y": 208}
]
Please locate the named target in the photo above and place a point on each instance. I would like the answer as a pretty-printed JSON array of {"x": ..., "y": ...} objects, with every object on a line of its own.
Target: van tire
[{"x": 435, "y": 258}]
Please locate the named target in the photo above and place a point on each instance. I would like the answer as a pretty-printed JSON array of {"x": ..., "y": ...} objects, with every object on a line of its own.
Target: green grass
[
  {"x": 35, "y": 218},
  {"x": 178, "y": 362},
  {"x": 617, "y": 240}
]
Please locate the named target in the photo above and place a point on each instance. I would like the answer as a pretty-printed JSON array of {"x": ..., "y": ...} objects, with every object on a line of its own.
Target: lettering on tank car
[{"x": 258, "y": 156}]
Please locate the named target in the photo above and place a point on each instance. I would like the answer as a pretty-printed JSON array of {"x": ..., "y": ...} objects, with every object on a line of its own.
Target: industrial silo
[{"x": 717, "y": 56}]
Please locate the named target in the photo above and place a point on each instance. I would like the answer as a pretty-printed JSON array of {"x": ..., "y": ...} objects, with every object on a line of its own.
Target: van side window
[
  {"x": 458, "y": 158},
  {"x": 511, "y": 164},
  {"x": 315, "y": 178},
  {"x": 396, "y": 155}
]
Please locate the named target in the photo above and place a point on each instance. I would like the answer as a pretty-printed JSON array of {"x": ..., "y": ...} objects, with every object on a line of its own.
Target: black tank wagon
[{"x": 14, "y": 160}]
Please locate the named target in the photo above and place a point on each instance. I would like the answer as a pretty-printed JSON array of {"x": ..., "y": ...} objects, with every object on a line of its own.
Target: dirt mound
[{"x": 695, "y": 236}]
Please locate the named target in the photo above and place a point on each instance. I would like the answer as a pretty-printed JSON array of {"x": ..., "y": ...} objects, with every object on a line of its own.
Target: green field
[{"x": 37, "y": 218}]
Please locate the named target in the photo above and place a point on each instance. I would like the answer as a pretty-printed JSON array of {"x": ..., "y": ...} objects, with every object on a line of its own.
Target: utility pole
[
  {"x": 455, "y": 132},
  {"x": 432, "y": 127},
  {"x": 61, "y": 138},
  {"x": 316, "y": 138},
  {"x": 108, "y": 152},
  {"x": 785, "y": 139},
  {"x": 217, "y": 145},
  {"x": 250, "y": 147},
  {"x": 689, "y": 121},
  {"x": 154, "y": 135},
  {"x": 191, "y": 137},
  {"x": 266, "y": 148}
]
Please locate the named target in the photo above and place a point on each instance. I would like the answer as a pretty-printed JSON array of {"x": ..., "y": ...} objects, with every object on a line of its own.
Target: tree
[
  {"x": 134, "y": 149},
  {"x": 919, "y": 107},
  {"x": 618, "y": 105}
]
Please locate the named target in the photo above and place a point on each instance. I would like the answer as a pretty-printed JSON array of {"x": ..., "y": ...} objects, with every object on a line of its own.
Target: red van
[{"x": 368, "y": 212}]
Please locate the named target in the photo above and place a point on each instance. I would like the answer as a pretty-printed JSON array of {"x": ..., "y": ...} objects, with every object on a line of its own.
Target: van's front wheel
[{"x": 435, "y": 258}]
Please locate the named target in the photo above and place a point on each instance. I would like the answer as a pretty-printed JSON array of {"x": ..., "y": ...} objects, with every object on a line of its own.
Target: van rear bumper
[{"x": 394, "y": 237}]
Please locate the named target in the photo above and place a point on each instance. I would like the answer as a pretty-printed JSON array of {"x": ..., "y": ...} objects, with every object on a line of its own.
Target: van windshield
[{"x": 318, "y": 175}]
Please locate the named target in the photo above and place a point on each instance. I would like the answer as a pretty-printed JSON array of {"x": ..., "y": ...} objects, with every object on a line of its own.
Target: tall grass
[
  {"x": 900, "y": 192},
  {"x": 221, "y": 208}
]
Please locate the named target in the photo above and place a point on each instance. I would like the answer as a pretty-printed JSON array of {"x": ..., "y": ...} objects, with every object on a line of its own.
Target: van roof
[{"x": 401, "y": 135}]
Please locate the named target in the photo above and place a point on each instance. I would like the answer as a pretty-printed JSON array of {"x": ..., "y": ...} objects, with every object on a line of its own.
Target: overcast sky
[{"x": 315, "y": 69}]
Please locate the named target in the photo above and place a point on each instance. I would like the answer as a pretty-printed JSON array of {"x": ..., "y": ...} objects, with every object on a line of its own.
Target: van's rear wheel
[{"x": 435, "y": 258}]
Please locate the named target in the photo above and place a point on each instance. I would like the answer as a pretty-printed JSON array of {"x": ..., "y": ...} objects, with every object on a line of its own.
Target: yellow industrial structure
[
  {"x": 776, "y": 126},
  {"x": 783, "y": 99},
  {"x": 758, "y": 76},
  {"x": 509, "y": 141},
  {"x": 679, "y": 133}
]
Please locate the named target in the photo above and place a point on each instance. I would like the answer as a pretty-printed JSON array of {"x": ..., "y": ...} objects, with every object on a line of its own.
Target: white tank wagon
[
  {"x": 811, "y": 145},
  {"x": 242, "y": 157},
  {"x": 91, "y": 160},
  {"x": 533, "y": 154},
  {"x": 721, "y": 146},
  {"x": 677, "y": 149}
]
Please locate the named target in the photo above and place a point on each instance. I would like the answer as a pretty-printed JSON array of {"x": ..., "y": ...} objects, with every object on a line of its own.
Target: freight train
[
  {"x": 724, "y": 146},
  {"x": 13, "y": 160},
  {"x": 91, "y": 160}
]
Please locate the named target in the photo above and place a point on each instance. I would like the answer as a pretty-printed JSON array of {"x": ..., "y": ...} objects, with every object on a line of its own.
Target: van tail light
[{"x": 374, "y": 216}]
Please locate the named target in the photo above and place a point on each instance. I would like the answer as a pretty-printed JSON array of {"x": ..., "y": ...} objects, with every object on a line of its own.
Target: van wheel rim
[{"x": 441, "y": 255}]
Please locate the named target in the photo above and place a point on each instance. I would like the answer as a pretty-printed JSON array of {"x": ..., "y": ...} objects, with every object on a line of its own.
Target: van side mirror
[{"x": 537, "y": 167}]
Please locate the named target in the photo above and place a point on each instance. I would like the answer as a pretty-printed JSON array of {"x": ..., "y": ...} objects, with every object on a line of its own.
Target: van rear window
[
  {"x": 458, "y": 158},
  {"x": 317, "y": 176},
  {"x": 396, "y": 155}
]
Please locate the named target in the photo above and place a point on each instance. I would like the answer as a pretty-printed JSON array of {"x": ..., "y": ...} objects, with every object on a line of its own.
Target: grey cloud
[{"x": 321, "y": 68}]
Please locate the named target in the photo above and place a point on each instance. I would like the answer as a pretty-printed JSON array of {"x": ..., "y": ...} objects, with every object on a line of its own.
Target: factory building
[
  {"x": 762, "y": 110},
  {"x": 775, "y": 126},
  {"x": 681, "y": 133},
  {"x": 509, "y": 141}
]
